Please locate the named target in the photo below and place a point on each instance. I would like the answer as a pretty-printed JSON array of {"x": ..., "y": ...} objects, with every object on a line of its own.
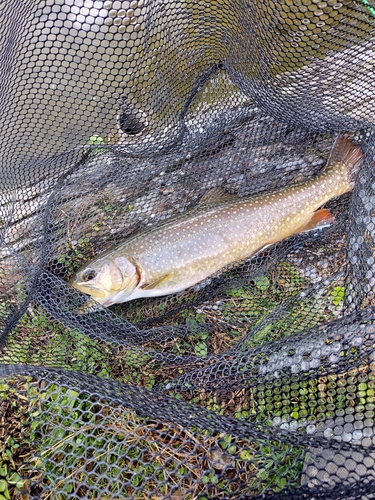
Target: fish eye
[{"x": 89, "y": 275}]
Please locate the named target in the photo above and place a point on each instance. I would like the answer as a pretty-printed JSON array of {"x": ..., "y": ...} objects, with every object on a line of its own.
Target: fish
[{"x": 221, "y": 230}]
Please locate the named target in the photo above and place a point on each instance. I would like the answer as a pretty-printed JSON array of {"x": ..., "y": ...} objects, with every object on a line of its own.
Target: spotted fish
[{"x": 188, "y": 248}]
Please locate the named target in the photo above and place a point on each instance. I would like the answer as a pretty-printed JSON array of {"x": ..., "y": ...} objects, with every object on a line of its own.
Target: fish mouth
[
  {"x": 104, "y": 301},
  {"x": 93, "y": 291}
]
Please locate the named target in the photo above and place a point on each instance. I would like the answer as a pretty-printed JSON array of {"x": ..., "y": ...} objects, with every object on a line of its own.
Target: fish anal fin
[
  {"x": 216, "y": 195},
  {"x": 153, "y": 284},
  {"x": 320, "y": 219}
]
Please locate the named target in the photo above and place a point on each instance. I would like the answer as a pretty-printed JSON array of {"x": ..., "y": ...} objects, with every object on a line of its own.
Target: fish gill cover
[{"x": 120, "y": 118}]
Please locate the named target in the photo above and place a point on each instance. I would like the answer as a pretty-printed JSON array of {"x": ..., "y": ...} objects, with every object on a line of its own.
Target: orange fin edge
[{"x": 319, "y": 219}]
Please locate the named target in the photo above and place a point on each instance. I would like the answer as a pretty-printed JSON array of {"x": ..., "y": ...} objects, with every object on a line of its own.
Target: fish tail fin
[{"x": 346, "y": 151}]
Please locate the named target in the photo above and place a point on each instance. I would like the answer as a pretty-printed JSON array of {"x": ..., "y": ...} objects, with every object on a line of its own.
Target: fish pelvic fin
[
  {"x": 346, "y": 151},
  {"x": 319, "y": 219},
  {"x": 154, "y": 284}
]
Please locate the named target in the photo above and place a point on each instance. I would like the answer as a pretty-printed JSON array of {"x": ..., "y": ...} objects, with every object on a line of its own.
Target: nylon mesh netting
[{"x": 257, "y": 382}]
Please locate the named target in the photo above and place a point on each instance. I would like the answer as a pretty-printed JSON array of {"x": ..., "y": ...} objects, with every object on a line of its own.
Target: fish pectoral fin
[
  {"x": 153, "y": 284},
  {"x": 320, "y": 218},
  {"x": 216, "y": 195}
]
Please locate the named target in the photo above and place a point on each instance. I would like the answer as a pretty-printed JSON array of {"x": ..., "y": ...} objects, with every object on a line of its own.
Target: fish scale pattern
[{"x": 117, "y": 116}]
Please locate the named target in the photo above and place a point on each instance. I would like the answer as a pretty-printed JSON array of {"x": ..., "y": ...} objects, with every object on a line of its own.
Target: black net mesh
[{"x": 255, "y": 382}]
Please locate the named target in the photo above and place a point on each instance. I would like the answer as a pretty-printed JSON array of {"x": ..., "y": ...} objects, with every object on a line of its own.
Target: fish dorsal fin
[
  {"x": 216, "y": 195},
  {"x": 320, "y": 219},
  {"x": 153, "y": 284}
]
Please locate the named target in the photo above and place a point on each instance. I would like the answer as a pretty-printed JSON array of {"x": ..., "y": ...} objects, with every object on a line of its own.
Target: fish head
[{"x": 108, "y": 280}]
